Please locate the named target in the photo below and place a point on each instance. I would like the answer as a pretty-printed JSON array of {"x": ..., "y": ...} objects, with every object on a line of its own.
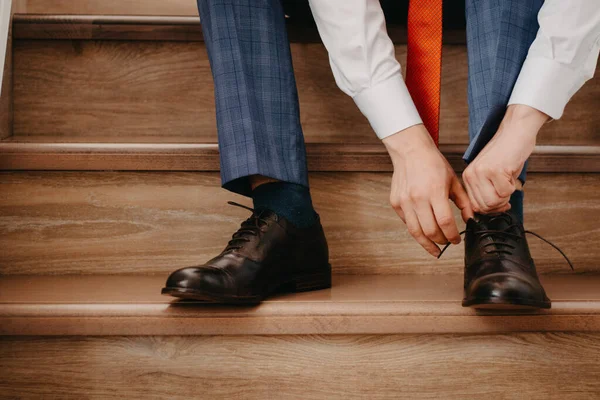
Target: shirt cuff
[
  {"x": 545, "y": 85},
  {"x": 388, "y": 107}
]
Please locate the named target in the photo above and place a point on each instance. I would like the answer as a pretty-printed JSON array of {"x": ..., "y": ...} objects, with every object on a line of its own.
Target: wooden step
[
  {"x": 161, "y": 27},
  {"x": 162, "y": 87},
  {"x": 109, "y": 7},
  {"x": 132, "y": 305},
  {"x": 533, "y": 366},
  {"x": 108, "y": 337},
  {"x": 57, "y": 154},
  {"x": 157, "y": 89},
  {"x": 395, "y": 10},
  {"x": 155, "y": 222}
]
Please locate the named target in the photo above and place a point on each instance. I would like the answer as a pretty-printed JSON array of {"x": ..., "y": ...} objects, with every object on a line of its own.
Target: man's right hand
[{"x": 422, "y": 184}]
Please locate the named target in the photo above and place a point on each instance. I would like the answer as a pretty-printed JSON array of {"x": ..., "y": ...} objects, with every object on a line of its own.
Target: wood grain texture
[
  {"x": 178, "y": 28},
  {"x": 91, "y": 305},
  {"x": 107, "y": 27},
  {"x": 20, "y": 6},
  {"x": 124, "y": 222},
  {"x": 113, "y": 7},
  {"x": 54, "y": 154},
  {"x": 518, "y": 366},
  {"x": 107, "y": 71},
  {"x": 158, "y": 89}
]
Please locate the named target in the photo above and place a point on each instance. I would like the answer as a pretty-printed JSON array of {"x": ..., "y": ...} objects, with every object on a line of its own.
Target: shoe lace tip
[
  {"x": 233, "y": 203},
  {"x": 443, "y": 250},
  {"x": 555, "y": 247}
]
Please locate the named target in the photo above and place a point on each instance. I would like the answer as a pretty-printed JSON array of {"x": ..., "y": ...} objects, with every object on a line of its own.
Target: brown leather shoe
[
  {"x": 499, "y": 270},
  {"x": 266, "y": 255}
]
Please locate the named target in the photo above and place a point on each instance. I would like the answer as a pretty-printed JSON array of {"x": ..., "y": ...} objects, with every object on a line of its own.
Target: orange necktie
[{"x": 424, "y": 60}]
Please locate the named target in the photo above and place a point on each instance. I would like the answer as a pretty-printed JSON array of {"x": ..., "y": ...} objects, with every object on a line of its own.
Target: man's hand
[
  {"x": 492, "y": 177},
  {"x": 422, "y": 183}
]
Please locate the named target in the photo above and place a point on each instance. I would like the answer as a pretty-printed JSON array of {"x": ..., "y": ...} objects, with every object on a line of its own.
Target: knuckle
[
  {"x": 398, "y": 202},
  {"x": 446, "y": 221},
  {"x": 404, "y": 197},
  {"x": 497, "y": 204},
  {"x": 430, "y": 233},
  {"x": 414, "y": 232},
  {"x": 493, "y": 203},
  {"x": 481, "y": 169},
  {"x": 418, "y": 196},
  {"x": 469, "y": 176},
  {"x": 487, "y": 204}
]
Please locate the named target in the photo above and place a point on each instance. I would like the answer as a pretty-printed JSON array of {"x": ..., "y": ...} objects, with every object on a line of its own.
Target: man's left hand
[{"x": 492, "y": 177}]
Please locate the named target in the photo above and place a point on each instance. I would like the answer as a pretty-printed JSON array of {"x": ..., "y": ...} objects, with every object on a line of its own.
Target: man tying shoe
[{"x": 526, "y": 60}]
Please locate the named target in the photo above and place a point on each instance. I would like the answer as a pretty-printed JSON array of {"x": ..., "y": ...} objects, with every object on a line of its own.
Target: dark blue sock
[
  {"x": 288, "y": 200},
  {"x": 516, "y": 202}
]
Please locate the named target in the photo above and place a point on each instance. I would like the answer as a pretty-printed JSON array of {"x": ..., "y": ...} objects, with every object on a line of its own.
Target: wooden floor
[{"x": 356, "y": 304}]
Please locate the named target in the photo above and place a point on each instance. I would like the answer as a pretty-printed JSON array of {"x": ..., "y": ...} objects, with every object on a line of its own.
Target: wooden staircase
[{"x": 109, "y": 181}]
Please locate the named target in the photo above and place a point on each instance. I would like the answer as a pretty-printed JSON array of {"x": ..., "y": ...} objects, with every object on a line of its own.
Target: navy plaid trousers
[
  {"x": 499, "y": 34},
  {"x": 258, "y": 116}
]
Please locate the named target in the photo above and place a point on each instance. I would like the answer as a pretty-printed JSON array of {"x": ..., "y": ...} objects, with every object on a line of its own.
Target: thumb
[{"x": 460, "y": 197}]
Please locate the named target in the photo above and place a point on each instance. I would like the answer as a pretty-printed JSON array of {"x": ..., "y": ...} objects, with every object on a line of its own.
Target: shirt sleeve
[
  {"x": 364, "y": 64},
  {"x": 562, "y": 57}
]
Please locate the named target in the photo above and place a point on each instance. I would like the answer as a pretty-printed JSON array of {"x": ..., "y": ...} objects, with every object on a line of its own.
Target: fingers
[
  {"x": 398, "y": 209},
  {"x": 500, "y": 209},
  {"x": 429, "y": 223},
  {"x": 503, "y": 185},
  {"x": 471, "y": 192},
  {"x": 504, "y": 189},
  {"x": 406, "y": 212},
  {"x": 460, "y": 197},
  {"x": 488, "y": 192},
  {"x": 414, "y": 228},
  {"x": 478, "y": 194},
  {"x": 445, "y": 220},
  {"x": 490, "y": 198}
]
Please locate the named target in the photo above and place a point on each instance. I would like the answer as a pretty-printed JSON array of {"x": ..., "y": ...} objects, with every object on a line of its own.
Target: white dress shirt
[{"x": 560, "y": 60}]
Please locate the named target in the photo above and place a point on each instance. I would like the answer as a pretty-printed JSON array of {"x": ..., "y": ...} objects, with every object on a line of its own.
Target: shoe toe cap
[
  {"x": 198, "y": 278},
  {"x": 507, "y": 288}
]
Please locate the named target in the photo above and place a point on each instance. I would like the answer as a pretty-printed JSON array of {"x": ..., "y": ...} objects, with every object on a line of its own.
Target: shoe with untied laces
[{"x": 499, "y": 270}]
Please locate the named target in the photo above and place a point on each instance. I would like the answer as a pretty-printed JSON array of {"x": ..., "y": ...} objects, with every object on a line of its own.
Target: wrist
[
  {"x": 407, "y": 141},
  {"x": 521, "y": 125},
  {"x": 526, "y": 118}
]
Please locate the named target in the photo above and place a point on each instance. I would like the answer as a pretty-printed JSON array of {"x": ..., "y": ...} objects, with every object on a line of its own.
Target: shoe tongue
[
  {"x": 504, "y": 222},
  {"x": 496, "y": 222}
]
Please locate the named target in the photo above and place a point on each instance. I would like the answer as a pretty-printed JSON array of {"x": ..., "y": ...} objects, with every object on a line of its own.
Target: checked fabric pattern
[
  {"x": 499, "y": 34},
  {"x": 258, "y": 116},
  {"x": 255, "y": 90}
]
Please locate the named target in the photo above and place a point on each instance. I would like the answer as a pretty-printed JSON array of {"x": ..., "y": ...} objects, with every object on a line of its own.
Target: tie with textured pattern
[{"x": 424, "y": 60}]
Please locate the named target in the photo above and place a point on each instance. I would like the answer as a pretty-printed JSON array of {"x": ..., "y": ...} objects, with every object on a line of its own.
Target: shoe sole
[
  {"x": 300, "y": 283},
  {"x": 503, "y": 303}
]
